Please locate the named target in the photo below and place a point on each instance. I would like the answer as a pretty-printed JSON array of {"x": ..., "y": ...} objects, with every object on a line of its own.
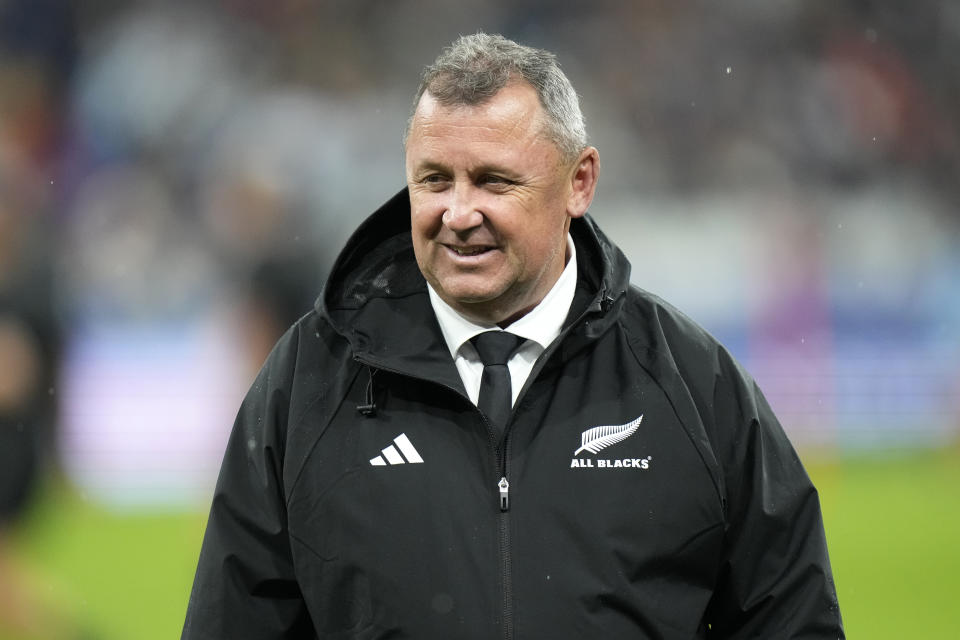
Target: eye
[
  {"x": 435, "y": 180},
  {"x": 495, "y": 181}
]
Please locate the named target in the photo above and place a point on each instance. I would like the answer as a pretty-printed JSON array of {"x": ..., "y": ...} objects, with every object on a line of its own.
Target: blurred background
[{"x": 176, "y": 178}]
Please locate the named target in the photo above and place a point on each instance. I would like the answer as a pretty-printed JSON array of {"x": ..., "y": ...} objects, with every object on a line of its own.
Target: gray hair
[{"x": 474, "y": 68}]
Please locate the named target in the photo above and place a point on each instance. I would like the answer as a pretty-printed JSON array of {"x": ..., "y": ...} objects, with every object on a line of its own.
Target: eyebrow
[{"x": 430, "y": 165}]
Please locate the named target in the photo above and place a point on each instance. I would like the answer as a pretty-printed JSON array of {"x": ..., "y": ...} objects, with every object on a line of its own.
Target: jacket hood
[{"x": 377, "y": 271}]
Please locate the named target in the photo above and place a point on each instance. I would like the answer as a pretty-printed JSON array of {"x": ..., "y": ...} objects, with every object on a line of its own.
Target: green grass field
[
  {"x": 893, "y": 525},
  {"x": 893, "y": 528}
]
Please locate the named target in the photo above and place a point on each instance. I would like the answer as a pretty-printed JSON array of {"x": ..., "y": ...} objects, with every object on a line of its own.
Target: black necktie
[{"x": 495, "y": 349}]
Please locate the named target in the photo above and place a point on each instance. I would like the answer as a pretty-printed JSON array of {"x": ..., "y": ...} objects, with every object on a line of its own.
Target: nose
[{"x": 461, "y": 213}]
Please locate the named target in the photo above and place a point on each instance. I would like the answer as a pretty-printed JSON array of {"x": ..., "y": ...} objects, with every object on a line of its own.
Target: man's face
[{"x": 490, "y": 203}]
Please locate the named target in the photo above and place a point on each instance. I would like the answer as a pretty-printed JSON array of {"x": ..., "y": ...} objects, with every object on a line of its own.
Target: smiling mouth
[{"x": 469, "y": 251}]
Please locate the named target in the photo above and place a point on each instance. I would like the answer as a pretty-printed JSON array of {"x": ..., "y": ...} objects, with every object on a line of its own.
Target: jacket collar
[{"x": 377, "y": 298}]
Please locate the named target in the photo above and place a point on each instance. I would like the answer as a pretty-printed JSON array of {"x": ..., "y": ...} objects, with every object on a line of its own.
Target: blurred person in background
[
  {"x": 29, "y": 353},
  {"x": 484, "y": 431},
  {"x": 30, "y": 349},
  {"x": 36, "y": 54}
]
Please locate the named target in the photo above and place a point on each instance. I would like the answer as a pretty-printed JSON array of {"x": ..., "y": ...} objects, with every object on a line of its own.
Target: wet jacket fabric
[{"x": 643, "y": 488}]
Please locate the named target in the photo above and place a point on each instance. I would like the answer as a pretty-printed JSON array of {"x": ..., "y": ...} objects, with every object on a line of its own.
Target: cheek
[
  {"x": 420, "y": 239},
  {"x": 538, "y": 241},
  {"x": 425, "y": 219}
]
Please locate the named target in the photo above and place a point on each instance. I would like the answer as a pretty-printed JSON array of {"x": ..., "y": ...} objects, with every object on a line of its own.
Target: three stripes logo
[{"x": 401, "y": 451}]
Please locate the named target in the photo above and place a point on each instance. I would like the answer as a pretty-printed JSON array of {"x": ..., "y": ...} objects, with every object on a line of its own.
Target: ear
[{"x": 583, "y": 182}]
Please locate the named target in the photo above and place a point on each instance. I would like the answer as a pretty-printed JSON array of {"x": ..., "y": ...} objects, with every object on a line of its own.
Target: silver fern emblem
[{"x": 597, "y": 438}]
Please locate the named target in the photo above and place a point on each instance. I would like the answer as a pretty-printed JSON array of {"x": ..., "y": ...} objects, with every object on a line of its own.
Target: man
[{"x": 613, "y": 473}]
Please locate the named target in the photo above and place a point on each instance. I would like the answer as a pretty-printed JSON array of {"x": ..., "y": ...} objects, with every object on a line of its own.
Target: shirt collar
[{"x": 542, "y": 324}]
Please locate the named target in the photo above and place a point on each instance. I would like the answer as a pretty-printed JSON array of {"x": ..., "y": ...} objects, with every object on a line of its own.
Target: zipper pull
[{"x": 504, "y": 487}]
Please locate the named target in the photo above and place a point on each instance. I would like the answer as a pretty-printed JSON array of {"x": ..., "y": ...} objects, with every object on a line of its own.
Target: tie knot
[{"x": 495, "y": 347}]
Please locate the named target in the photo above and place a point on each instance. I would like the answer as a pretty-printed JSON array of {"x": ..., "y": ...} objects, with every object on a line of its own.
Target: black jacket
[{"x": 361, "y": 491}]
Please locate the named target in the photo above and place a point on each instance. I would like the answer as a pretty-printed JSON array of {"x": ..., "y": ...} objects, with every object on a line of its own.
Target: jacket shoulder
[
  {"x": 714, "y": 397},
  {"x": 678, "y": 348},
  {"x": 668, "y": 337},
  {"x": 309, "y": 366}
]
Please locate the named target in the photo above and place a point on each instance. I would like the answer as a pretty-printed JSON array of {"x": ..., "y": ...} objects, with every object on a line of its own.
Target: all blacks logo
[
  {"x": 606, "y": 463},
  {"x": 596, "y": 439}
]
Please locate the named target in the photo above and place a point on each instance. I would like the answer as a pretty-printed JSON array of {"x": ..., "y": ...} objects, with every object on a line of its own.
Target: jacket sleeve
[
  {"x": 245, "y": 585},
  {"x": 775, "y": 579}
]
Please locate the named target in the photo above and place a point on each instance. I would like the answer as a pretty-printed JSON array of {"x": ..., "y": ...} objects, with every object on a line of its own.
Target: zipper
[
  {"x": 503, "y": 486},
  {"x": 506, "y": 573},
  {"x": 503, "y": 490},
  {"x": 506, "y": 552}
]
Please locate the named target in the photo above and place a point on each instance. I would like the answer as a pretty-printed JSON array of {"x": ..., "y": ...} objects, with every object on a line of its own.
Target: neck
[{"x": 506, "y": 322}]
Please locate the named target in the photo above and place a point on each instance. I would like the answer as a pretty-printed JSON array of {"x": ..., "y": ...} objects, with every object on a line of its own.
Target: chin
[
  {"x": 468, "y": 300},
  {"x": 467, "y": 293},
  {"x": 475, "y": 304}
]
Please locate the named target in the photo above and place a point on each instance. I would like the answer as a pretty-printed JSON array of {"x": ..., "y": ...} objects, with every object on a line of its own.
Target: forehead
[{"x": 513, "y": 113}]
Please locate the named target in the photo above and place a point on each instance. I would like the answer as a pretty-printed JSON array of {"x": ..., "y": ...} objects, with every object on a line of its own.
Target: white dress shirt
[{"x": 538, "y": 328}]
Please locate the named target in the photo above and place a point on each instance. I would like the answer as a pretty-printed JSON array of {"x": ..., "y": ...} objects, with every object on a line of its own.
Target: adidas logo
[{"x": 392, "y": 456}]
